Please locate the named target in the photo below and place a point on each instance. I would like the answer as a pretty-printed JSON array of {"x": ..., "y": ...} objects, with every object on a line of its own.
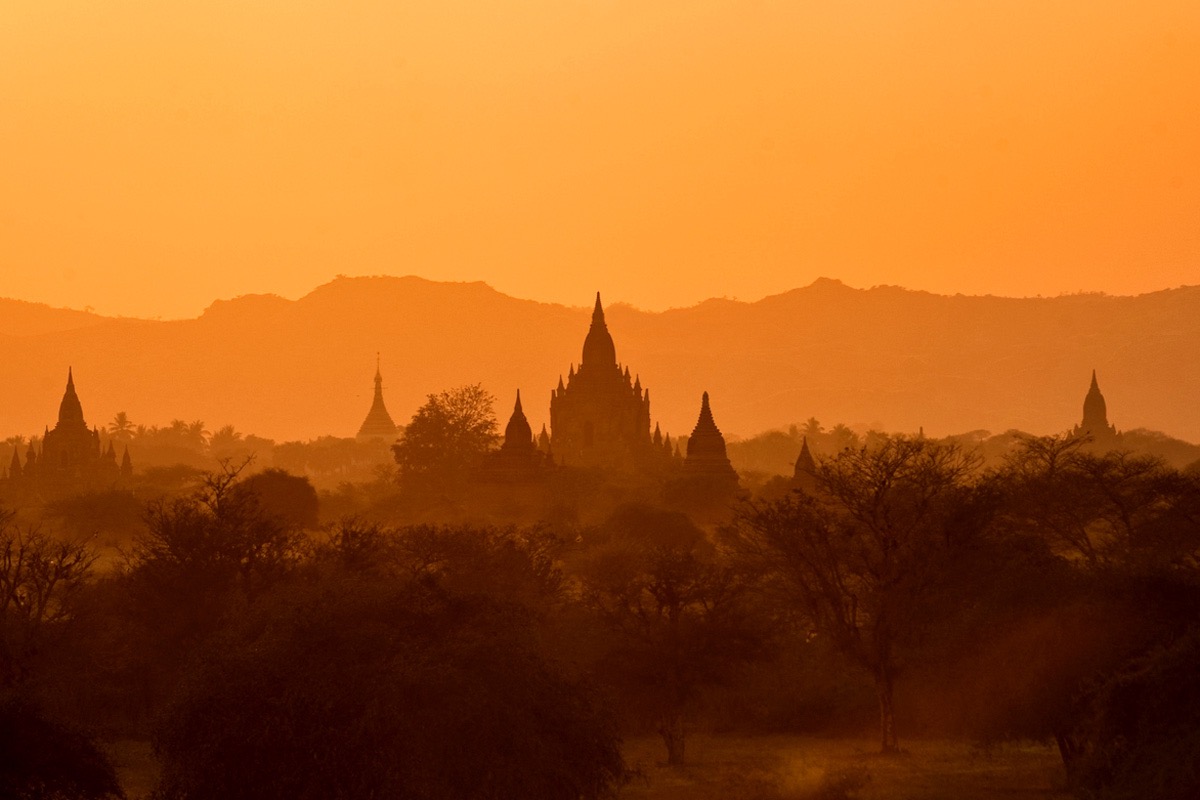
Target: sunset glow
[{"x": 162, "y": 155}]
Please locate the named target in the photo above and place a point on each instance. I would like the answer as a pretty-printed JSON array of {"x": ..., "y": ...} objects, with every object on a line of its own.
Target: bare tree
[
  {"x": 40, "y": 578},
  {"x": 861, "y": 555}
]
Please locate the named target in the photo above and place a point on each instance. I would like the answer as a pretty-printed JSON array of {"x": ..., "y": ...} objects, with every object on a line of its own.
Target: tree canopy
[{"x": 447, "y": 436}]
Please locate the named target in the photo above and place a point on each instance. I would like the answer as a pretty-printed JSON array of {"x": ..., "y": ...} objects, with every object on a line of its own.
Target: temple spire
[
  {"x": 1095, "y": 413},
  {"x": 705, "y": 424},
  {"x": 70, "y": 411},
  {"x": 598, "y": 347},
  {"x": 517, "y": 434},
  {"x": 378, "y": 423},
  {"x": 804, "y": 476}
]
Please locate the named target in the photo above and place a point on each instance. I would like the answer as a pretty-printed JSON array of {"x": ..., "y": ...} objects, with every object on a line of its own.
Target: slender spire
[
  {"x": 70, "y": 411},
  {"x": 598, "y": 311},
  {"x": 1095, "y": 411}
]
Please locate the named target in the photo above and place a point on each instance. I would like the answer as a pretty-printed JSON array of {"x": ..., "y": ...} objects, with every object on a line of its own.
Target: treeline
[
  {"x": 774, "y": 452},
  {"x": 903, "y": 585}
]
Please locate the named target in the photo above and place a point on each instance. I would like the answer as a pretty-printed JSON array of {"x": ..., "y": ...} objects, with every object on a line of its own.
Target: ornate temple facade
[
  {"x": 600, "y": 416},
  {"x": 378, "y": 425}
]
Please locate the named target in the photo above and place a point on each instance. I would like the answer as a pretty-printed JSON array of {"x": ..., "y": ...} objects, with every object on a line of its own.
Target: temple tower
[
  {"x": 71, "y": 453},
  {"x": 804, "y": 477},
  {"x": 378, "y": 424},
  {"x": 601, "y": 416},
  {"x": 706, "y": 449},
  {"x": 1095, "y": 417},
  {"x": 518, "y": 459}
]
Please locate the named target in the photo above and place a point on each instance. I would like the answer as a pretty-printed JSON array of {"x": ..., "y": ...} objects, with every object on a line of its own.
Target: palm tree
[
  {"x": 843, "y": 437},
  {"x": 813, "y": 428},
  {"x": 226, "y": 436},
  {"x": 197, "y": 434},
  {"x": 121, "y": 428}
]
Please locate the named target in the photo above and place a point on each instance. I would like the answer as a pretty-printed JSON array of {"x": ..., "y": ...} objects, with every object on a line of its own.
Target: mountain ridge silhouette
[{"x": 901, "y": 358}]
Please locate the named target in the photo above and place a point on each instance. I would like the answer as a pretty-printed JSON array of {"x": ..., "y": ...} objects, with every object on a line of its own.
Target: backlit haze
[{"x": 160, "y": 155}]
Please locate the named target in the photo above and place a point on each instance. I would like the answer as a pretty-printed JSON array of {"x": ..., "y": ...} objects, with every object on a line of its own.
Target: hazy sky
[{"x": 155, "y": 155}]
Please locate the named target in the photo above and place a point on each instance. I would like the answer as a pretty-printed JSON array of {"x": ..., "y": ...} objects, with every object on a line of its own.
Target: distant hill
[
  {"x": 886, "y": 356},
  {"x": 20, "y": 318}
]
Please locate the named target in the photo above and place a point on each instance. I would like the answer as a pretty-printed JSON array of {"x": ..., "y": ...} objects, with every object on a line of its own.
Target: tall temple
[
  {"x": 378, "y": 424},
  {"x": 601, "y": 416},
  {"x": 72, "y": 455},
  {"x": 1095, "y": 417}
]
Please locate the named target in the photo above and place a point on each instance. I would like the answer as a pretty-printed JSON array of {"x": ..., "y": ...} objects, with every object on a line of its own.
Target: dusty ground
[
  {"x": 790, "y": 768},
  {"x": 800, "y": 768}
]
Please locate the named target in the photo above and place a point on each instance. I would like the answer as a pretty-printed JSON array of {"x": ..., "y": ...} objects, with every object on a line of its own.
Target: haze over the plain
[
  {"x": 162, "y": 154},
  {"x": 889, "y": 357}
]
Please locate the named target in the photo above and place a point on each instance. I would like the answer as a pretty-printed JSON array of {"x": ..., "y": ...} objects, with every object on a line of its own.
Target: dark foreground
[{"x": 792, "y": 768}]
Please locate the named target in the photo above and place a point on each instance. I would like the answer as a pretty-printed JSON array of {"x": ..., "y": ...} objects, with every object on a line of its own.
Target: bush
[
  {"x": 1140, "y": 738},
  {"x": 350, "y": 687},
  {"x": 41, "y": 759}
]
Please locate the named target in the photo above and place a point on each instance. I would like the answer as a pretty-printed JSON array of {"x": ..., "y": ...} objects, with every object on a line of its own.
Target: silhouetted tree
[
  {"x": 677, "y": 616},
  {"x": 1138, "y": 737},
  {"x": 447, "y": 437},
  {"x": 121, "y": 428},
  {"x": 860, "y": 555},
  {"x": 289, "y": 499},
  {"x": 1115, "y": 509},
  {"x": 115, "y": 515},
  {"x": 201, "y": 556},
  {"x": 351, "y": 685},
  {"x": 40, "y": 580}
]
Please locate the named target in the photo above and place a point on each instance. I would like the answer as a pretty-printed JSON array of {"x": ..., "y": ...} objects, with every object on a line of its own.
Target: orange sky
[{"x": 661, "y": 150}]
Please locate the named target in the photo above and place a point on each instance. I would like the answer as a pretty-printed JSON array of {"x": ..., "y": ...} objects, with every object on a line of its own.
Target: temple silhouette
[
  {"x": 521, "y": 458},
  {"x": 72, "y": 455},
  {"x": 600, "y": 420},
  {"x": 378, "y": 425},
  {"x": 1095, "y": 425},
  {"x": 600, "y": 417}
]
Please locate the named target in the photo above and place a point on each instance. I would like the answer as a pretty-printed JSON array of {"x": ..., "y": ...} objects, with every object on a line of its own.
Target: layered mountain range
[{"x": 888, "y": 357}]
